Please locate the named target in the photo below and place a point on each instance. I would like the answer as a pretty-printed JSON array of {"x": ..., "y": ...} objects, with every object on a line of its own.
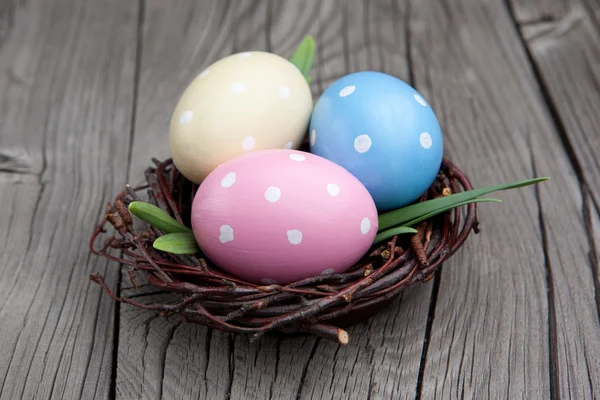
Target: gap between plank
[
  {"x": 112, "y": 394},
  {"x": 430, "y": 317},
  {"x": 586, "y": 195},
  {"x": 438, "y": 275},
  {"x": 231, "y": 341},
  {"x": 552, "y": 329},
  {"x": 305, "y": 369},
  {"x": 163, "y": 357}
]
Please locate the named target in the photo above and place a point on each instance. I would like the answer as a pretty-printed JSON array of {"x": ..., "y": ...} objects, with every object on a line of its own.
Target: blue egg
[{"x": 383, "y": 132}]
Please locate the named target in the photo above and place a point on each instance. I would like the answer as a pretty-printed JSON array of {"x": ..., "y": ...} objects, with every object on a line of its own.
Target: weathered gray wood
[
  {"x": 517, "y": 308},
  {"x": 553, "y": 12},
  {"x": 566, "y": 53},
  {"x": 384, "y": 357},
  {"x": 66, "y": 89},
  {"x": 518, "y": 303},
  {"x": 160, "y": 358}
]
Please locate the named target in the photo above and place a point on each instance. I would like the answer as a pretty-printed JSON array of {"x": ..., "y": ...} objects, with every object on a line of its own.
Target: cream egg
[{"x": 244, "y": 102}]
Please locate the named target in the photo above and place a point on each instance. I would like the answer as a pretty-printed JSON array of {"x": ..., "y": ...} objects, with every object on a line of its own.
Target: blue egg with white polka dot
[{"x": 383, "y": 132}]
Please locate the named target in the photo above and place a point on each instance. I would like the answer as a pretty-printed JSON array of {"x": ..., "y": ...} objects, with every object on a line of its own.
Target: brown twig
[
  {"x": 210, "y": 297},
  {"x": 417, "y": 244}
]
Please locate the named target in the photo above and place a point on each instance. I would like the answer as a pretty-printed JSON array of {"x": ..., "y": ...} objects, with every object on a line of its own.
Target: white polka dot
[
  {"x": 204, "y": 73},
  {"x": 186, "y": 117},
  {"x": 328, "y": 271},
  {"x": 226, "y": 234},
  {"x": 347, "y": 91},
  {"x": 273, "y": 194},
  {"x": 362, "y": 143},
  {"x": 313, "y": 137},
  {"x": 245, "y": 54},
  {"x": 297, "y": 157},
  {"x": 237, "y": 87},
  {"x": 420, "y": 99},
  {"x": 228, "y": 180},
  {"x": 425, "y": 140},
  {"x": 365, "y": 226},
  {"x": 268, "y": 281},
  {"x": 288, "y": 145},
  {"x": 294, "y": 236},
  {"x": 284, "y": 92},
  {"x": 248, "y": 143},
  {"x": 333, "y": 189}
]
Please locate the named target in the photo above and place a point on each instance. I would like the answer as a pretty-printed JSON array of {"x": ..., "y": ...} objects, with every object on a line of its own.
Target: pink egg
[{"x": 277, "y": 216}]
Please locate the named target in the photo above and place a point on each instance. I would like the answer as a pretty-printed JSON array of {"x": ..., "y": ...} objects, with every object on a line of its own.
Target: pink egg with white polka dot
[{"x": 278, "y": 216}]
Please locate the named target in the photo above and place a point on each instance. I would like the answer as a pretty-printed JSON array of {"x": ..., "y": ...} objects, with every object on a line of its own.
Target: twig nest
[
  {"x": 241, "y": 103},
  {"x": 322, "y": 304}
]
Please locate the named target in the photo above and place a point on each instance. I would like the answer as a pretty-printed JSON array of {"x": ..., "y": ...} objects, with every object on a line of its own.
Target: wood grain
[
  {"x": 514, "y": 83},
  {"x": 66, "y": 89},
  {"x": 384, "y": 358},
  {"x": 564, "y": 53},
  {"x": 160, "y": 358},
  {"x": 519, "y": 301},
  {"x": 278, "y": 368}
]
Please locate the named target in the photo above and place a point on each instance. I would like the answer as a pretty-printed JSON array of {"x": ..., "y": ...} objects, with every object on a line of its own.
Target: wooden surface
[{"x": 86, "y": 92}]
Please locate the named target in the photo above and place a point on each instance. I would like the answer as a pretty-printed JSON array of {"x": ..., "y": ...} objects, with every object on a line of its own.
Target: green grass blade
[
  {"x": 444, "y": 209},
  {"x": 400, "y": 230},
  {"x": 303, "y": 57},
  {"x": 177, "y": 243},
  {"x": 409, "y": 213},
  {"x": 156, "y": 217}
]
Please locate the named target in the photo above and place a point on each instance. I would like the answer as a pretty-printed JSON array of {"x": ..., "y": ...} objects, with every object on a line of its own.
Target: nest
[{"x": 320, "y": 305}]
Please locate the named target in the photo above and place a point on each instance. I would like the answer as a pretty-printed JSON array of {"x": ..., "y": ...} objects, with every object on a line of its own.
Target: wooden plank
[
  {"x": 66, "y": 85},
  {"x": 384, "y": 356},
  {"x": 566, "y": 51},
  {"x": 566, "y": 54},
  {"x": 179, "y": 40},
  {"x": 542, "y": 12},
  {"x": 516, "y": 313},
  {"x": 163, "y": 358}
]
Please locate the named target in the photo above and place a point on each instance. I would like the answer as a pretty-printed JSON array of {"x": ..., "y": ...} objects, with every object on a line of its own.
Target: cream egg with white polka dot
[{"x": 242, "y": 103}]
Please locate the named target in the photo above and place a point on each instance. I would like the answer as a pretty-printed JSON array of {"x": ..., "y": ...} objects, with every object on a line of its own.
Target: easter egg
[
  {"x": 241, "y": 103},
  {"x": 381, "y": 130},
  {"x": 277, "y": 216}
]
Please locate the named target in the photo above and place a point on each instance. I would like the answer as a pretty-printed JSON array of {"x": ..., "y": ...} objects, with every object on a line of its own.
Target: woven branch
[{"x": 320, "y": 305}]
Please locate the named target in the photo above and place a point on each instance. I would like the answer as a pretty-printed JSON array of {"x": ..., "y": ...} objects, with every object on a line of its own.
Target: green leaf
[
  {"x": 303, "y": 57},
  {"x": 400, "y": 230},
  {"x": 405, "y": 214},
  {"x": 156, "y": 217},
  {"x": 444, "y": 209},
  {"x": 177, "y": 243}
]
